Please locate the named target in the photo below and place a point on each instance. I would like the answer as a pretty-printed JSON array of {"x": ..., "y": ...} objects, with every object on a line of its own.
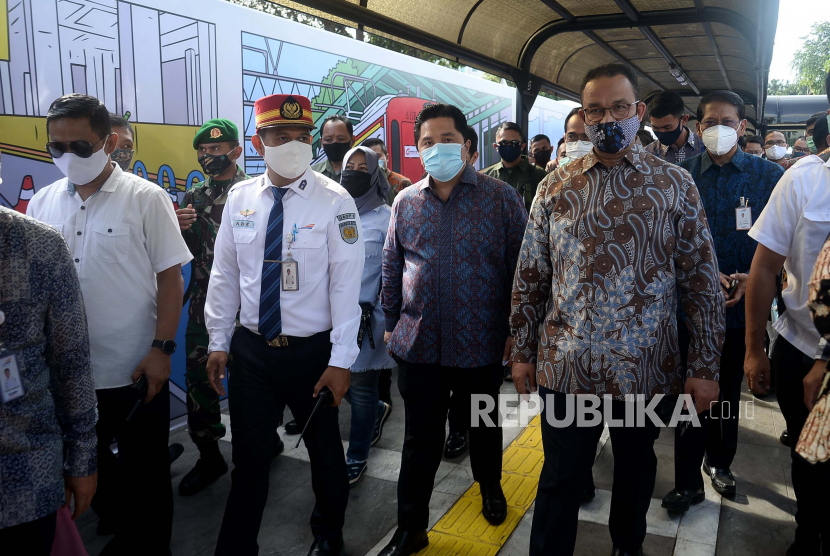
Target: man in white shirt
[
  {"x": 124, "y": 238},
  {"x": 790, "y": 233},
  {"x": 298, "y": 333}
]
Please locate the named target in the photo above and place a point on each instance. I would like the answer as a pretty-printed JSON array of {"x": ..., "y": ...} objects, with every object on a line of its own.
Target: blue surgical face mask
[{"x": 443, "y": 161}]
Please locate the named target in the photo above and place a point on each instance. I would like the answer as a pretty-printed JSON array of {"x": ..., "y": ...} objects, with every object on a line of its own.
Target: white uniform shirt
[
  {"x": 794, "y": 224},
  {"x": 330, "y": 267},
  {"x": 120, "y": 238}
]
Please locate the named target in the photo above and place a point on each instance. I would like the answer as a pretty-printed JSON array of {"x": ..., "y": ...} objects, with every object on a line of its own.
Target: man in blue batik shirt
[{"x": 734, "y": 188}]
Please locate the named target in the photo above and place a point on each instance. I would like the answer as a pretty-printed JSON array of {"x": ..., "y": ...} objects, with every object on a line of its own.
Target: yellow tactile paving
[
  {"x": 463, "y": 531},
  {"x": 442, "y": 545}
]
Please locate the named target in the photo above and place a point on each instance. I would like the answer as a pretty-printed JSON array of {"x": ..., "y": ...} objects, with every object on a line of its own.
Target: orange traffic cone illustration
[{"x": 27, "y": 191}]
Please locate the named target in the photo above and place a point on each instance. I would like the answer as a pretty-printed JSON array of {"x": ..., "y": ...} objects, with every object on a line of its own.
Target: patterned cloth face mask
[
  {"x": 122, "y": 157},
  {"x": 612, "y": 137}
]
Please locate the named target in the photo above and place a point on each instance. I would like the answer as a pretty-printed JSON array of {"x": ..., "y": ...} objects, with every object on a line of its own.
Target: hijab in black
[{"x": 377, "y": 193}]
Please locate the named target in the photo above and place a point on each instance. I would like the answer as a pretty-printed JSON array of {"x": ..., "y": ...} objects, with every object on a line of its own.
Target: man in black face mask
[
  {"x": 336, "y": 137},
  {"x": 675, "y": 142},
  {"x": 514, "y": 167},
  {"x": 217, "y": 145},
  {"x": 541, "y": 150}
]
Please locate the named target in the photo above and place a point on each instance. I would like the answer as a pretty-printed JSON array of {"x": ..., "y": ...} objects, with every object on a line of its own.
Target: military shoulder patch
[{"x": 348, "y": 231}]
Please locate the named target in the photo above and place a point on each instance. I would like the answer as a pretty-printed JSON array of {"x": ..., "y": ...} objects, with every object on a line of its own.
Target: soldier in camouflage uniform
[{"x": 217, "y": 144}]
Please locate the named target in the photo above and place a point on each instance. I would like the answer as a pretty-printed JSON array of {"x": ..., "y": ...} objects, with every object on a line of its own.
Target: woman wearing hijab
[{"x": 366, "y": 182}]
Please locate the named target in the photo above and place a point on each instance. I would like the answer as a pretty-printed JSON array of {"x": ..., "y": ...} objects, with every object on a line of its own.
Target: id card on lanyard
[
  {"x": 743, "y": 216},
  {"x": 290, "y": 267},
  {"x": 11, "y": 385}
]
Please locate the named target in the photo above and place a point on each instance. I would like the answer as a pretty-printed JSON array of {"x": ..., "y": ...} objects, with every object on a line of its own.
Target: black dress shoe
[
  {"x": 324, "y": 547},
  {"x": 680, "y": 500},
  {"x": 621, "y": 552},
  {"x": 589, "y": 493},
  {"x": 785, "y": 438},
  {"x": 722, "y": 480},
  {"x": 203, "y": 473},
  {"x": 456, "y": 444},
  {"x": 404, "y": 543},
  {"x": 293, "y": 427},
  {"x": 493, "y": 503}
]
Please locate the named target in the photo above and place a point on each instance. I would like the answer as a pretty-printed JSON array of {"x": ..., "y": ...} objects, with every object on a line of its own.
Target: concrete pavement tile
[
  {"x": 457, "y": 482},
  {"x": 746, "y": 530},
  {"x": 691, "y": 548},
  {"x": 519, "y": 542},
  {"x": 700, "y": 523},
  {"x": 659, "y": 521},
  {"x": 595, "y": 540}
]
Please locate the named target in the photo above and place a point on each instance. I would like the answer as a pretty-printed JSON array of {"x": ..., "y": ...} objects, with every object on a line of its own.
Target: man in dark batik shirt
[{"x": 448, "y": 266}]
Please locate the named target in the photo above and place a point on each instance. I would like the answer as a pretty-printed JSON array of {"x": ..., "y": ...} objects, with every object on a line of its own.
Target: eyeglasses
[
  {"x": 805, "y": 150},
  {"x": 509, "y": 143},
  {"x": 779, "y": 143},
  {"x": 571, "y": 137},
  {"x": 620, "y": 111},
  {"x": 82, "y": 149}
]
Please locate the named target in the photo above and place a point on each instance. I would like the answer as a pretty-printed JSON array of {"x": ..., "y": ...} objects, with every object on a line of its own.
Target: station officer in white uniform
[{"x": 297, "y": 335}]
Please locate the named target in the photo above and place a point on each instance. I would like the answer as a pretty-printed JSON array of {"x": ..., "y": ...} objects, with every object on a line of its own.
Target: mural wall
[{"x": 160, "y": 64}]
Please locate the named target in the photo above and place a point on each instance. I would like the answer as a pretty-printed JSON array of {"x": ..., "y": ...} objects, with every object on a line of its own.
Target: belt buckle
[{"x": 279, "y": 341}]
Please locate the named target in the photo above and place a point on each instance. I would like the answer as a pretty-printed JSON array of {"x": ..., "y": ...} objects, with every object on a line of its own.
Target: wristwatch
[{"x": 166, "y": 346}]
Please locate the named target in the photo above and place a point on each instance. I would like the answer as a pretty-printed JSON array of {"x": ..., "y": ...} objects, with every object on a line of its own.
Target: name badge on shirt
[
  {"x": 11, "y": 386},
  {"x": 247, "y": 224},
  {"x": 290, "y": 275},
  {"x": 743, "y": 216}
]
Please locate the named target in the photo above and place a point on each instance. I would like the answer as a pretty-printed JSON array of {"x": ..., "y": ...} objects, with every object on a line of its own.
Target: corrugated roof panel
[
  {"x": 443, "y": 19},
  {"x": 501, "y": 33},
  {"x": 594, "y": 7},
  {"x": 548, "y": 61}
]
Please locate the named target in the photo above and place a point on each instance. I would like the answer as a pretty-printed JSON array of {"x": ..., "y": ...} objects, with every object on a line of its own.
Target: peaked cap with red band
[{"x": 277, "y": 110}]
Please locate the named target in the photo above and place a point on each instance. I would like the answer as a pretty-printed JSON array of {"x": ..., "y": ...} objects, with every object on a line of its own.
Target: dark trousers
[
  {"x": 385, "y": 386},
  {"x": 134, "y": 486},
  {"x": 263, "y": 380},
  {"x": 569, "y": 455},
  {"x": 717, "y": 437},
  {"x": 426, "y": 395},
  {"x": 811, "y": 482},
  {"x": 33, "y": 538}
]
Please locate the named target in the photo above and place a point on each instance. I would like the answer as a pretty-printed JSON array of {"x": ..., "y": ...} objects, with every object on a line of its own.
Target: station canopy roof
[{"x": 688, "y": 46}]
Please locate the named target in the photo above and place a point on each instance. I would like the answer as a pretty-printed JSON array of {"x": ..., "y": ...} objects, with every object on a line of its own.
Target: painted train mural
[{"x": 160, "y": 65}]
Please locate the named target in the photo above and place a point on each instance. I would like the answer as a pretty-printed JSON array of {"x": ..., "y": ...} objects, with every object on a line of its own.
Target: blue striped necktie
[{"x": 270, "y": 317}]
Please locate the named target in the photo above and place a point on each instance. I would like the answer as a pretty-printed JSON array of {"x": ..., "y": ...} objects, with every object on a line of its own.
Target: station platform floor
[{"x": 758, "y": 521}]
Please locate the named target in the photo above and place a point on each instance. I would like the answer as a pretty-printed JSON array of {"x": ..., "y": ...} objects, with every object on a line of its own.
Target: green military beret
[{"x": 216, "y": 131}]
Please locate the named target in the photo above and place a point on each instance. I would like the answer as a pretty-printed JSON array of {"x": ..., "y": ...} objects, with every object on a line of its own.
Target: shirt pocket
[
  {"x": 110, "y": 241},
  {"x": 312, "y": 255},
  {"x": 372, "y": 243},
  {"x": 245, "y": 256},
  {"x": 816, "y": 228}
]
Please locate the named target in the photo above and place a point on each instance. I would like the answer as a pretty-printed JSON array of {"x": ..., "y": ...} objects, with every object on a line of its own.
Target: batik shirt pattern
[
  {"x": 447, "y": 271},
  {"x": 605, "y": 255},
  {"x": 49, "y": 432}
]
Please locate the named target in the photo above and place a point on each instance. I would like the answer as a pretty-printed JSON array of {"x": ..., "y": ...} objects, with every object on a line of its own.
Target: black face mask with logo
[
  {"x": 336, "y": 151},
  {"x": 215, "y": 165}
]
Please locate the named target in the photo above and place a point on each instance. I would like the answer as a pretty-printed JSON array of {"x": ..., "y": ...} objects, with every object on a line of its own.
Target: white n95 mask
[
  {"x": 81, "y": 171},
  {"x": 289, "y": 160},
  {"x": 719, "y": 139},
  {"x": 776, "y": 152},
  {"x": 577, "y": 149}
]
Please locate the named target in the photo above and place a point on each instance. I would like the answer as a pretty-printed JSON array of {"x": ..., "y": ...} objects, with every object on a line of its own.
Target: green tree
[
  {"x": 812, "y": 61},
  {"x": 784, "y": 88}
]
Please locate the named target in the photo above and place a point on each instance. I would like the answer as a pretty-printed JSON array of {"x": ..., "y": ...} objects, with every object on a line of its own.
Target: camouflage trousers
[{"x": 203, "y": 414}]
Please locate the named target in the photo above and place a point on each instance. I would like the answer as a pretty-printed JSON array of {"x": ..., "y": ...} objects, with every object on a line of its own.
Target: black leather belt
[{"x": 282, "y": 340}]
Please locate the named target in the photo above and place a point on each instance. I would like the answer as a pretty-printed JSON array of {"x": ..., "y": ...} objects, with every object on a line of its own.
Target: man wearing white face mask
[
  {"x": 448, "y": 264},
  {"x": 775, "y": 147},
  {"x": 299, "y": 330},
  {"x": 123, "y": 236},
  {"x": 577, "y": 142},
  {"x": 734, "y": 188}
]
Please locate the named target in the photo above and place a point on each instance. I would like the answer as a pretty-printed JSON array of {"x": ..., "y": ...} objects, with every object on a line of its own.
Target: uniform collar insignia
[{"x": 247, "y": 212}]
